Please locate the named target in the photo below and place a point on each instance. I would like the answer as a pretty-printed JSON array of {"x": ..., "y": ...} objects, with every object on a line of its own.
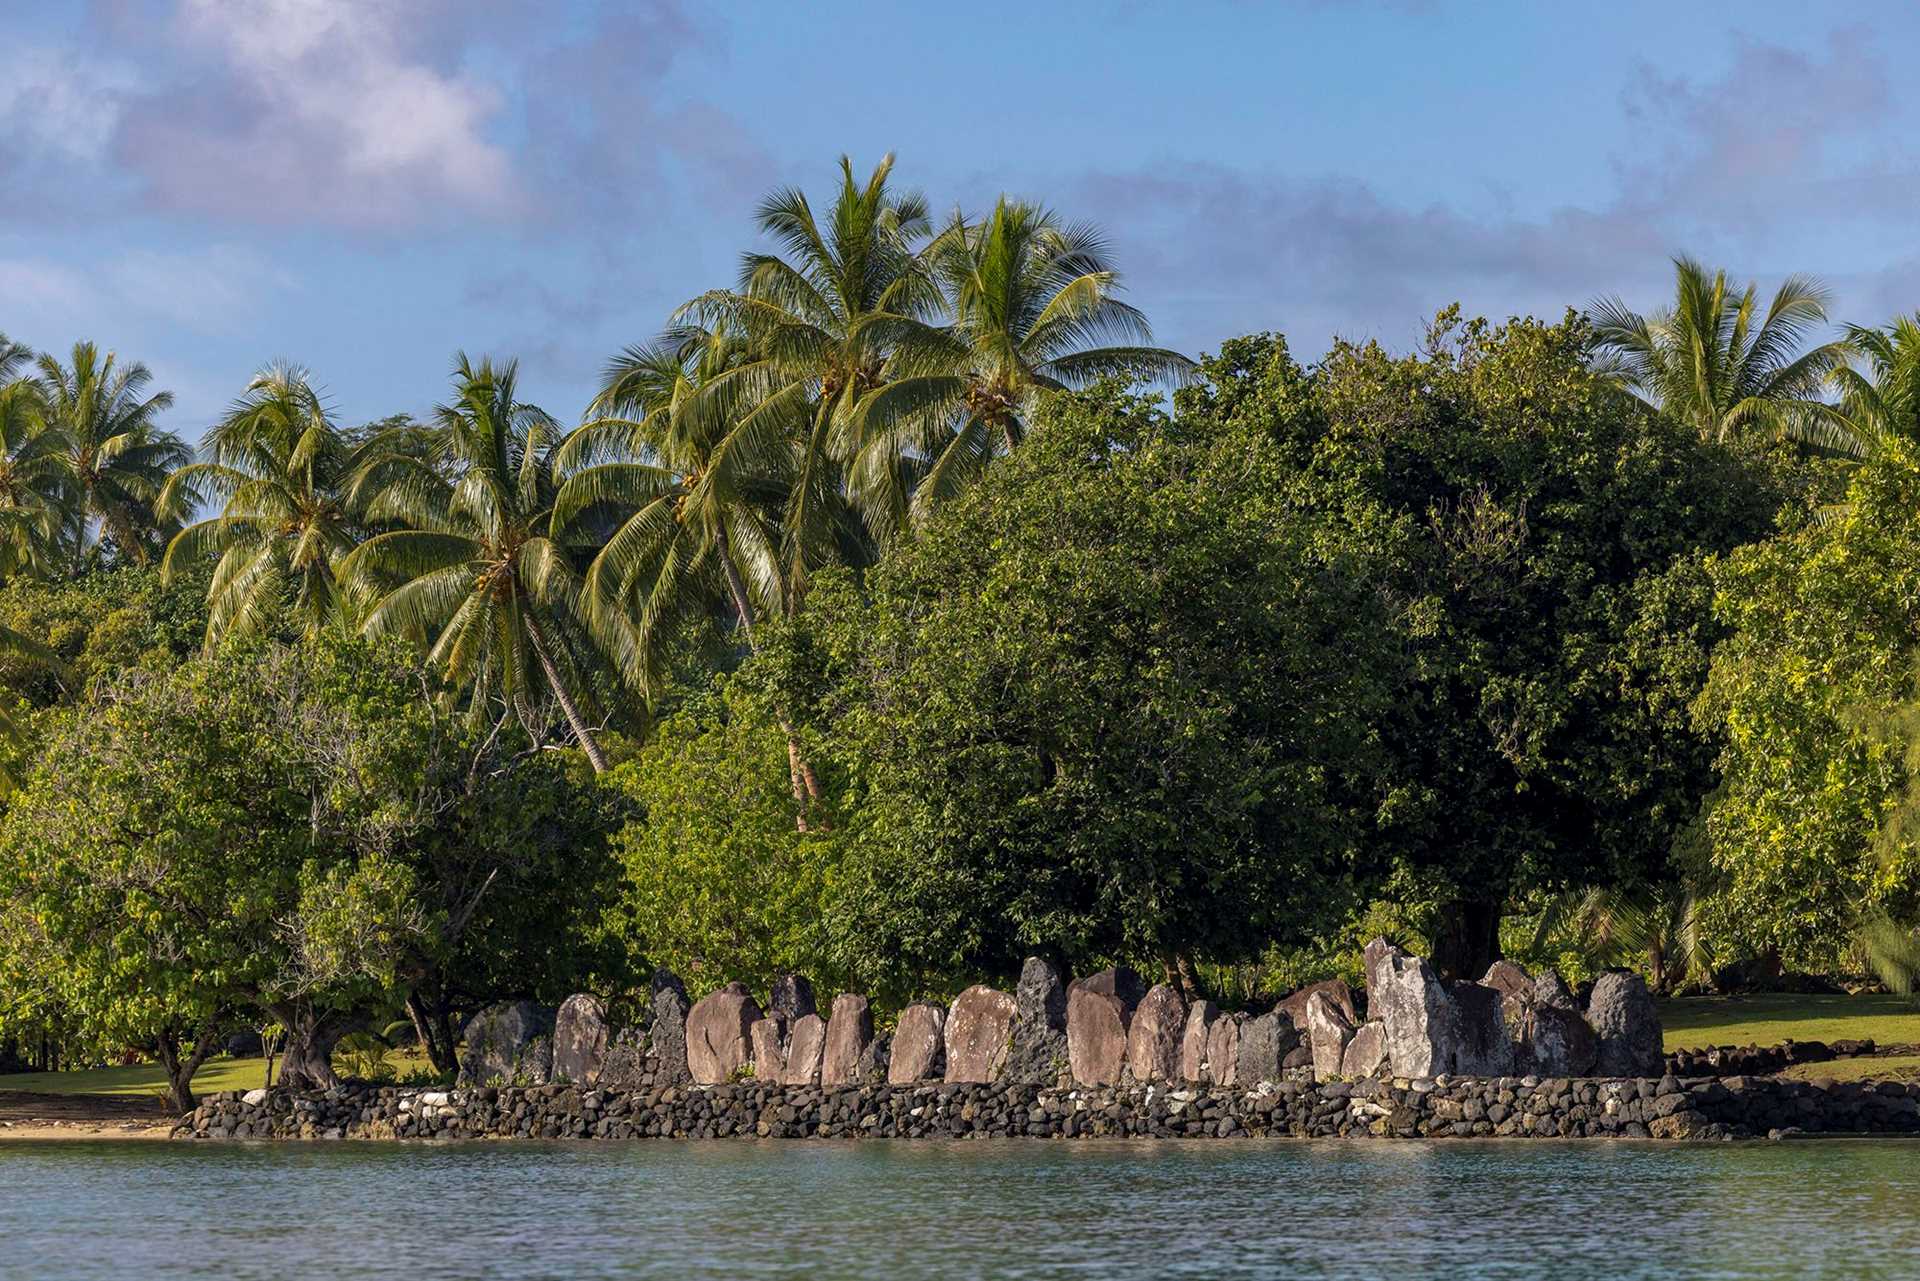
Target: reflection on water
[{"x": 1010, "y": 1208}]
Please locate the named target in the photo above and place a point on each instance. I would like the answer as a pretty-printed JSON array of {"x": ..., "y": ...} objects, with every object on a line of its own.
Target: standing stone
[
  {"x": 919, "y": 1044},
  {"x": 804, "y": 1051},
  {"x": 1551, "y": 989},
  {"x": 1367, "y": 1052},
  {"x": 1223, "y": 1049},
  {"x": 979, "y": 1033},
  {"x": 849, "y": 1033},
  {"x": 1434, "y": 1027},
  {"x": 1037, "y": 1053},
  {"x": 629, "y": 1064},
  {"x": 1118, "y": 981},
  {"x": 580, "y": 1040},
  {"x": 1096, "y": 1035},
  {"x": 875, "y": 1061},
  {"x": 1507, "y": 979},
  {"x": 1265, "y": 1043},
  {"x": 768, "y": 1037},
  {"x": 719, "y": 1034},
  {"x": 1335, "y": 990},
  {"x": 1622, "y": 1015},
  {"x": 1328, "y": 1032},
  {"x": 667, "y": 1037},
  {"x": 510, "y": 1044},
  {"x": 1153, "y": 1038},
  {"x": 1201, "y": 1016},
  {"x": 1548, "y": 1040},
  {"x": 791, "y": 998}
]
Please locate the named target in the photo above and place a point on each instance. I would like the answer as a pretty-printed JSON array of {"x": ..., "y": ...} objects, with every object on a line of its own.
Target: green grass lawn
[
  {"x": 1898, "y": 1067},
  {"x": 149, "y": 1079},
  {"x": 1697, "y": 1021}
]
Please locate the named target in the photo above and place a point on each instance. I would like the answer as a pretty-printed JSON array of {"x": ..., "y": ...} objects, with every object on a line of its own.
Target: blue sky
[{"x": 366, "y": 186}]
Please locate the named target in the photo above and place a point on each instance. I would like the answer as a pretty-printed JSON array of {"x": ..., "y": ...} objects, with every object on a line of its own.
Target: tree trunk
[
  {"x": 307, "y": 1061},
  {"x": 806, "y": 785},
  {"x": 1466, "y": 939},
  {"x": 435, "y": 1030},
  {"x": 567, "y": 705},
  {"x": 180, "y": 1068},
  {"x": 1189, "y": 977}
]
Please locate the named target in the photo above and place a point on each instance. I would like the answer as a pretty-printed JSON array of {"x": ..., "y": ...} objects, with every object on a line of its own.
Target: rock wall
[{"x": 1446, "y": 1107}]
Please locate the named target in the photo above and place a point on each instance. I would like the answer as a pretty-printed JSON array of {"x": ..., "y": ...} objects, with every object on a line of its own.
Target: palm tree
[
  {"x": 1035, "y": 308},
  {"x": 1882, "y": 403},
  {"x": 686, "y": 509},
  {"x": 472, "y": 571},
  {"x": 117, "y": 458},
  {"x": 33, "y": 489},
  {"x": 277, "y": 465},
  {"x": 820, "y": 319},
  {"x": 1712, "y": 362}
]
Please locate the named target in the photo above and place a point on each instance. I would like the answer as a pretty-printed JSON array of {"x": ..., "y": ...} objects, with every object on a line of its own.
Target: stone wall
[{"x": 1441, "y": 1108}]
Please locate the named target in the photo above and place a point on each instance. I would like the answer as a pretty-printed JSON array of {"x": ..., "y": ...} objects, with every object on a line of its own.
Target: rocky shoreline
[{"x": 1388, "y": 1108}]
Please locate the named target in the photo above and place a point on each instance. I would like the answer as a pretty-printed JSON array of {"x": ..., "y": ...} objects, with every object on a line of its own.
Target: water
[{"x": 1091, "y": 1209}]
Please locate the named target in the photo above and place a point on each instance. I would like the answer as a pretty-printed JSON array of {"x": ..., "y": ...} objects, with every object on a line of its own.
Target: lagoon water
[{"x": 1009, "y": 1208}]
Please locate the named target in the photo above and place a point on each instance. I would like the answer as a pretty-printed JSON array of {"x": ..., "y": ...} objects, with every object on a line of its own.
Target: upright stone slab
[
  {"x": 875, "y": 1061},
  {"x": 919, "y": 1044},
  {"x": 849, "y": 1032},
  {"x": 580, "y": 1040},
  {"x": 1201, "y": 1016},
  {"x": 509, "y": 1044},
  {"x": 791, "y": 999},
  {"x": 1548, "y": 1040},
  {"x": 768, "y": 1037},
  {"x": 629, "y": 1064},
  {"x": 1037, "y": 1052},
  {"x": 1096, "y": 1035},
  {"x": 667, "y": 1036},
  {"x": 1507, "y": 979},
  {"x": 1366, "y": 1053},
  {"x": 1335, "y": 990},
  {"x": 1328, "y": 1032},
  {"x": 1551, "y": 989},
  {"x": 806, "y": 1046},
  {"x": 979, "y": 1033},
  {"x": 1118, "y": 981},
  {"x": 1223, "y": 1049},
  {"x": 1265, "y": 1043},
  {"x": 719, "y": 1034},
  {"x": 1433, "y": 1027},
  {"x": 1627, "y": 1025},
  {"x": 1153, "y": 1037}
]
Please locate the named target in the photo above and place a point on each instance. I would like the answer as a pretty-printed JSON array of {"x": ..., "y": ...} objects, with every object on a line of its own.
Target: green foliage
[
  {"x": 1540, "y": 539},
  {"x": 1106, "y": 704},
  {"x": 722, "y": 885},
  {"x": 1819, "y": 658}
]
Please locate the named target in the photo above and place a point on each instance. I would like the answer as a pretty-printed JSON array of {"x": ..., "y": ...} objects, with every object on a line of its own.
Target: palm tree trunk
[
  {"x": 806, "y": 785},
  {"x": 567, "y": 705}
]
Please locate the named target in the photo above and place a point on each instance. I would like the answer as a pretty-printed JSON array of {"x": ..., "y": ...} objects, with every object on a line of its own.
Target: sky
[{"x": 365, "y": 187}]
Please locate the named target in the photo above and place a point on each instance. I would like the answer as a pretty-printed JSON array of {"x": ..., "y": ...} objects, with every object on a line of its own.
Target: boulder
[
  {"x": 1627, "y": 1026},
  {"x": 1434, "y": 1027},
  {"x": 1096, "y": 1035},
  {"x": 1153, "y": 1037},
  {"x": 719, "y": 1034},
  {"x": 244, "y": 1044},
  {"x": 1223, "y": 1049},
  {"x": 1548, "y": 1040},
  {"x": 1335, "y": 990},
  {"x": 919, "y": 1044},
  {"x": 979, "y": 1032},
  {"x": 875, "y": 1061},
  {"x": 1507, "y": 979},
  {"x": 1366, "y": 1053},
  {"x": 667, "y": 1035},
  {"x": 1117, "y": 981},
  {"x": 509, "y": 1044},
  {"x": 1201, "y": 1016},
  {"x": 849, "y": 1033},
  {"x": 768, "y": 1037},
  {"x": 1265, "y": 1043},
  {"x": 791, "y": 998},
  {"x": 1551, "y": 989},
  {"x": 1329, "y": 1029},
  {"x": 806, "y": 1044},
  {"x": 1300, "y": 1056},
  {"x": 1037, "y": 1050},
  {"x": 629, "y": 1063},
  {"x": 580, "y": 1039}
]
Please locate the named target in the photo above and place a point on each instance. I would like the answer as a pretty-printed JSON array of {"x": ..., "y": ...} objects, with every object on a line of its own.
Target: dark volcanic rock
[
  {"x": 1037, "y": 1052},
  {"x": 510, "y": 1043},
  {"x": 667, "y": 1035},
  {"x": 1624, "y": 1019},
  {"x": 1265, "y": 1043},
  {"x": 791, "y": 999}
]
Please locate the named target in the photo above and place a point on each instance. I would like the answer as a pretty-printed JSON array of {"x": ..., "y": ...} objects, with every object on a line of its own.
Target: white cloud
[{"x": 60, "y": 103}]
